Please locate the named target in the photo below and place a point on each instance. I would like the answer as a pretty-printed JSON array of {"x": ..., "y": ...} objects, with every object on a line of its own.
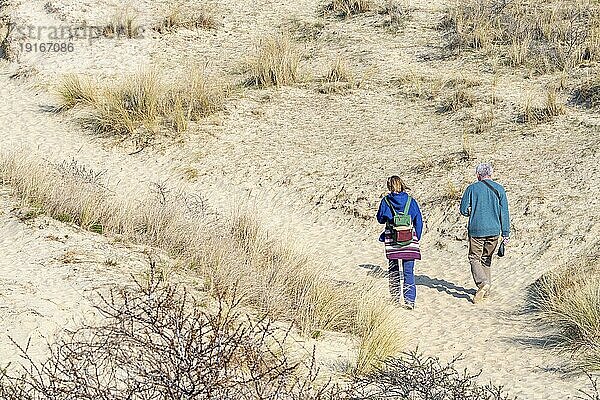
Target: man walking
[{"x": 486, "y": 205}]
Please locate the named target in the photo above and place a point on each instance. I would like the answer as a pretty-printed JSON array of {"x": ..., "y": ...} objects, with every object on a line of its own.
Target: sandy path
[{"x": 444, "y": 324}]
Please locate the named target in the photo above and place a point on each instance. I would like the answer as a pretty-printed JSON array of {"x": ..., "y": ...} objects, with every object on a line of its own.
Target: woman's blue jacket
[{"x": 398, "y": 200}]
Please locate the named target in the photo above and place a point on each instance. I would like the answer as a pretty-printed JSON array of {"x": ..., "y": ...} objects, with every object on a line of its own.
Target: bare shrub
[
  {"x": 347, "y": 8},
  {"x": 123, "y": 24},
  {"x": 275, "y": 64},
  {"x": 414, "y": 376},
  {"x": 536, "y": 114},
  {"x": 568, "y": 300},
  {"x": 188, "y": 15},
  {"x": 544, "y": 36},
  {"x": 154, "y": 341},
  {"x": 588, "y": 93},
  {"x": 594, "y": 394},
  {"x": 73, "y": 169}
]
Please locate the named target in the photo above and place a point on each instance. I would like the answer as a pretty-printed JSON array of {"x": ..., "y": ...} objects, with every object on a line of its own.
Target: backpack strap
[
  {"x": 407, "y": 206},
  {"x": 387, "y": 201}
]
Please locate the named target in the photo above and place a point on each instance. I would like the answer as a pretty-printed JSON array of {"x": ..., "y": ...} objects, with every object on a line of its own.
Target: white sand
[{"x": 50, "y": 276}]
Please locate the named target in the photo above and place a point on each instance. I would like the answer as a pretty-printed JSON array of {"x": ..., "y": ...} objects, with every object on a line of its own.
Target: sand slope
[{"x": 50, "y": 277}]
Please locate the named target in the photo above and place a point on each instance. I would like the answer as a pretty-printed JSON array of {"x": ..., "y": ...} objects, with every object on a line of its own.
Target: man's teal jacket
[{"x": 488, "y": 214}]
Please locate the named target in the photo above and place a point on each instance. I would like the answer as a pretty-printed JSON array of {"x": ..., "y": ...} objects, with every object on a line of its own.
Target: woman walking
[{"x": 403, "y": 227}]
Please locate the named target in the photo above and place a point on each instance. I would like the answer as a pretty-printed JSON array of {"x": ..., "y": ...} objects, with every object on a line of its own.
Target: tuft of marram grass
[
  {"x": 276, "y": 62},
  {"x": 339, "y": 71},
  {"x": 568, "y": 300},
  {"x": 551, "y": 108},
  {"x": 379, "y": 334},
  {"x": 395, "y": 15},
  {"x": 127, "y": 108},
  {"x": 347, "y": 8},
  {"x": 246, "y": 263},
  {"x": 188, "y": 15},
  {"x": 588, "y": 93},
  {"x": 143, "y": 104},
  {"x": 339, "y": 78},
  {"x": 123, "y": 23},
  {"x": 545, "y": 37},
  {"x": 74, "y": 90},
  {"x": 458, "y": 99}
]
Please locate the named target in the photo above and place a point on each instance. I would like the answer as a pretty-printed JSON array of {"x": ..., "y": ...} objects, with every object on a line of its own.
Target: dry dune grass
[
  {"x": 458, "y": 99},
  {"x": 74, "y": 90},
  {"x": 545, "y": 36},
  {"x": 569, "y": 300},
  {"x": 124, "y": 23},
  {"x": 588, "y": 92},
  {"x": 395, "y": 15},
  {"x": 276, "y": 62},
  {"x": 346, "y": 8},
  {"x": 339, "y": 71},
  {"x": 143, "y": 104},
  {"x": 243, "y": 264},
  {"x": 338, "y": 78},
  {"x": 188, "y": 15},
  {"x": 542, "y": 113},
  {"x": 452, "y": 93}
]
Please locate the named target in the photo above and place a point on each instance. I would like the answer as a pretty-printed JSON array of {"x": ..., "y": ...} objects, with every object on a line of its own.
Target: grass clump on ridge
[
  {"x": 187, "y": 15},
  {"x": 543, "y": 36},
  {"x": 588, "y": 93},
  {"x": 74, "y": 90},
  {"x": 143, "y": 104},
  {"x": 123, "y": 24},
  {"x": 568, "y": 299},
  {"x": 347, "y": 8},
  {"x": 276, "y": 62},
  {"x": 245, "y": 263},
  {"x": 551, "y": 108}
]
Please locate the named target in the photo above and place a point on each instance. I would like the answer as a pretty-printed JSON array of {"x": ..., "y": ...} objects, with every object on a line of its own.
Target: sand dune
[{"x": 311, "y": 172}]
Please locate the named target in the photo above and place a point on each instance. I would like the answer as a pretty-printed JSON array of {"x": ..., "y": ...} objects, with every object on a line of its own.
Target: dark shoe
[{"x": 409, "y": 306}]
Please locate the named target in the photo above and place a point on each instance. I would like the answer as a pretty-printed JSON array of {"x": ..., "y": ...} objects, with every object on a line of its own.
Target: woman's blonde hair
[{"x": 396, "y": 184}]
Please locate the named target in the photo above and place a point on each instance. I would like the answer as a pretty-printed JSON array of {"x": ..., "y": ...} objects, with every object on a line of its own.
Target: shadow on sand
[
  {"x": 442, "y": 285},
  {"x": 375, "y": 271}
]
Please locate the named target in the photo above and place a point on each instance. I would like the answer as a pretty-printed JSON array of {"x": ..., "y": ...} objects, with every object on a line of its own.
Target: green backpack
[{"x": 401, "y": 226}]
